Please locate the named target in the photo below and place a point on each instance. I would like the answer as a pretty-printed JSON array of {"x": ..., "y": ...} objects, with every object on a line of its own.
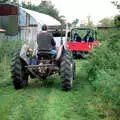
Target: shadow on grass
[{"x": 49, "y": 82}]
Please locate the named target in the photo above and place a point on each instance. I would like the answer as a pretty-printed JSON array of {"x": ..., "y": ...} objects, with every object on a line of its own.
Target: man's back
[{"x": 45, "y": 41}]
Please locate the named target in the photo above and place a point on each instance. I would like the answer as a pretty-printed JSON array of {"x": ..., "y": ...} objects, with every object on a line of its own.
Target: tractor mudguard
[{"x": 59, "y": 52}]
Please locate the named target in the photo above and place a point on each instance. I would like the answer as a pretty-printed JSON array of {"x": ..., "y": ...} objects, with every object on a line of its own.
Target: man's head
[{"x": 44, "y": 28}]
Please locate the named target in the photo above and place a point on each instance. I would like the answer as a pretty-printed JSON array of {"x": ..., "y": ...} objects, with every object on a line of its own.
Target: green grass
[{"x": 46, "y": 100}]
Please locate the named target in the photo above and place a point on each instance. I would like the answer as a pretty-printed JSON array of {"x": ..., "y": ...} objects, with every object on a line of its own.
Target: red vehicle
[{"x": 81, "y": 41}]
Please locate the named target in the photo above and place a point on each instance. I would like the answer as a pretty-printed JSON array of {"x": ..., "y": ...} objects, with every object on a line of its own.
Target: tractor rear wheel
[
  {"x": 19, "y": 73},
  {"x": 66, "y": 72}
]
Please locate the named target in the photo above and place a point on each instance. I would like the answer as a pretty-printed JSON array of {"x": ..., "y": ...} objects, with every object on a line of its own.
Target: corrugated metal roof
[{"x": 42, "y": 18}]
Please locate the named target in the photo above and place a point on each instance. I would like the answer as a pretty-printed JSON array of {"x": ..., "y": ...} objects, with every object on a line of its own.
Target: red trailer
[{"x": 81, "y": 41}]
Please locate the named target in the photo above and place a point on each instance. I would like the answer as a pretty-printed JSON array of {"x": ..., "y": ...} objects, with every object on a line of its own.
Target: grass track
[{"x": 46, "y": 101}]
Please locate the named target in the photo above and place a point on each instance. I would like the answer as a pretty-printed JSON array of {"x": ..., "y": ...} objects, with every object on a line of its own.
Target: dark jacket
[{"x": 45, "y": 41}]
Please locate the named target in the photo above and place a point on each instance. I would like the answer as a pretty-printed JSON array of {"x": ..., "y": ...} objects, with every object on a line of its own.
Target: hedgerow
[{"x": 104, "y": 68}]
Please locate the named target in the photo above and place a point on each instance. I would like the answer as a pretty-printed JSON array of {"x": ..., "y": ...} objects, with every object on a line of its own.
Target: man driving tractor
[{"x": 45, "y": 41}]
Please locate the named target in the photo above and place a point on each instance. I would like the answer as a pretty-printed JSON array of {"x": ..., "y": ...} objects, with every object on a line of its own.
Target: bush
[
  {"x": 117, "y": 20},
  {"x": 104, "y": 67},
  {"x": 8, "y": 48}
]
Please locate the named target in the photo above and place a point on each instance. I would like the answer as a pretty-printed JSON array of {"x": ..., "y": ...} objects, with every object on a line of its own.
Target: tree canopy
[
  {"x": 116, "y": 3},
  {"x": 75, "y": 22},
  {"x": 3, "y": 1},
  {"x": 45, "y": 7},
  {"x": 117, "y": 17},
  {"x": 107, "y": 22}
]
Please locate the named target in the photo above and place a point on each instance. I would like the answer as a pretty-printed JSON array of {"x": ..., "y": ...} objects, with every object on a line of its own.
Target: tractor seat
[{"x": 47, "y": 53}]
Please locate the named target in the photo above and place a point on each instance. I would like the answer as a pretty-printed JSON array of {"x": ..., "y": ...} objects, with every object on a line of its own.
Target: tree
[
  {"x": 45, "y": 7},
  {"x": 116, "y": 3},
  {"x": 117, "y": 18},
  {"x": 75, "y": 22},
  {"x": 3, "y": 1},
  {"x": 107, "y": 22},
  {"x": 117, "y": 21},
  {"x": 89, "y": 23}
]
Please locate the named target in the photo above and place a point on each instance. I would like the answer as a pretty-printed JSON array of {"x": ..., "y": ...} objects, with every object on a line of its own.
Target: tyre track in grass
[
  {"x": 26, "y": 104},
  {"x": 33, "y": 101},
  {"x": 78, "y": 104},
  {"x": 48, "y": 102}
]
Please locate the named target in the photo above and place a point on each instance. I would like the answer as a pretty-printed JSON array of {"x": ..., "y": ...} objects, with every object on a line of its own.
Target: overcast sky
[{"x": 80, "y": 9}]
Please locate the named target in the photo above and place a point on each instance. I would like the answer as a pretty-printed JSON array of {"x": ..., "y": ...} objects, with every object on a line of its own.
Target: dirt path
[{"x": 48, "y": 102}]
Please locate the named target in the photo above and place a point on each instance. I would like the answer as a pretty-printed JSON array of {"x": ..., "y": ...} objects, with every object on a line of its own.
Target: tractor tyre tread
[
  {"x": 66, "y": 73},
  {"x": 19, "y": 79}
]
